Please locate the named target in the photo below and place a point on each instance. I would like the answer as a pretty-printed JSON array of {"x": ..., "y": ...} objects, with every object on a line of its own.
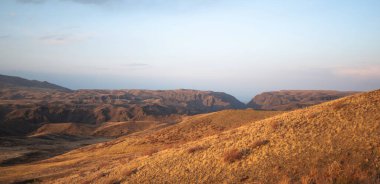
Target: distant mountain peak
[{"x": 7, "y": 81}]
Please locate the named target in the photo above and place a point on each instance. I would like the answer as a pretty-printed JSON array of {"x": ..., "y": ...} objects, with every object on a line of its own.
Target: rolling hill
[
  {"x": 24, "y": 110},
  {"x": 18, "y": 82},
  {"x": 334, "y": 142},
  {"x": 294, "y": 99},
  {"x": 133, "y": 146},
  {"x": 107, "y": 129}
]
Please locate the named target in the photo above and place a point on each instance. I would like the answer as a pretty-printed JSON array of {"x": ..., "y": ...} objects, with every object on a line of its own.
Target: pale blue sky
[{"x": 240, "y": 47}]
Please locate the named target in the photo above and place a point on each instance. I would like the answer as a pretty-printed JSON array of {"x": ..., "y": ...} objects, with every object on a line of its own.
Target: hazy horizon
[{"x": 238, "y": 47}]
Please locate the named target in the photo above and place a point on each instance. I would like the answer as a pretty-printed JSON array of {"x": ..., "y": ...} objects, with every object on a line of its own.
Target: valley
[
  {"x": 57, "y": 135},
  {"x": 338, "y": 140},
  {"x": 189, "y": 92}
]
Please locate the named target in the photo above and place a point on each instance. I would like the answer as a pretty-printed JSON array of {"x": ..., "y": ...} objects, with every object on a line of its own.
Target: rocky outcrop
[{"x": 294, "y": 99}]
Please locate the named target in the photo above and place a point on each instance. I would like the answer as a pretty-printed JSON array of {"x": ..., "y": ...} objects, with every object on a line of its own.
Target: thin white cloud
[
  {"x": 12, "y": 14},
  {"x": 115, "y": 68},
  {"x": 5, "y": 36},
  {"x": 135, "y": 65},
  {"x": 91, "y": 1},
  {"x": 75, "y": 1},
  {"x": 31, "y": 1},
  {"x": 58, "y": 39},
  {"x": 55, "y": 39},
  {"x": 363, "y": 72}
]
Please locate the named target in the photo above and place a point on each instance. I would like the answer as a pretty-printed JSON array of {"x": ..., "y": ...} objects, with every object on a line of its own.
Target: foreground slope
[
  {"x": 335, "y": 142},
  {"x": 95, "y": 158},
  {"x": 294, "y": 99}
]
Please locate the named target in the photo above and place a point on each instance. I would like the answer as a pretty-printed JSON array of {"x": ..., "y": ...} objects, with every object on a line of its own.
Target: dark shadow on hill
[{"x": 23, "y": 150}]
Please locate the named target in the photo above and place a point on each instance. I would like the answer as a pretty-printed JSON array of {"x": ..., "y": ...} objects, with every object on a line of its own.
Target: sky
[{"x": 241, "y": 47}]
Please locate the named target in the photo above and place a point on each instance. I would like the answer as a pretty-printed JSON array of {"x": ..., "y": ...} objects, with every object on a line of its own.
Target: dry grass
[
  {"x": 275, "y": 125},
  {"x": 306, "y": 148},
  {"x": 340, "y": 174},
  {"x": 130, "y": 172},
  {"x": 107, "y": 129},
  {"x": 339, "y": 145},
  {"x": 260, "y": 143},
  {"x": 150, "y": 152},
  {"x": 124, "y": 150},
  {"x": 285, "y": 180},
  {"x": 233, "y": 155},
  {"x": 195, "y": 149}
]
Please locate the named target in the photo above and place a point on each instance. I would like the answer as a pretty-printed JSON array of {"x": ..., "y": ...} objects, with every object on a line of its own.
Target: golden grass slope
[
  {"x": 84, "y": 162},
  {"x": 335, "y": 142},
  {"x": 107, "y": 129}
]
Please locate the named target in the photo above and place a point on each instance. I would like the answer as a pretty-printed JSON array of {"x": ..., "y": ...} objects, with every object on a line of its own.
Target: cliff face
[
  {"x": 22, "y": 110},
  {"x": 294, "y": 99}
]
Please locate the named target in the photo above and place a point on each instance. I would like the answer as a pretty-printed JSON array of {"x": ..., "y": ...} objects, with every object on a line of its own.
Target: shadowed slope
[
  {"x": 22, "y": 111},
  {"x": 91, "y": 158},
  {"x": 18, "y": 82},
  {"x": 21, "y": 150}
]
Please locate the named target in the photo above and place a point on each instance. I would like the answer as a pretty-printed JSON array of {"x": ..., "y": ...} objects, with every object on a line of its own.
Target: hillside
[
  {"x": 122, "y": 150},
  {"x": 22, "y": 111},
  {"x": 21, "y": 150},
  {"x": 334, "y": 142},
  {"x": 294, "y": 99},
  {"x": 18, "y": 82},
  {"x": 107, "y": 129}
]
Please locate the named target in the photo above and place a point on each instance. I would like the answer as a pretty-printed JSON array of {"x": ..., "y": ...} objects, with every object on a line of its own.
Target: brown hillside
[
  {"x": 108, "y": 129},
  {"x": 140, "y": 144},
  {"x": 294, "y": 99},
  {"x": 24, "y": 110},
  {"x": 21, "y": 150},
  {"x": 18, "y": 82},
  {"x": 335, "y": 142}
]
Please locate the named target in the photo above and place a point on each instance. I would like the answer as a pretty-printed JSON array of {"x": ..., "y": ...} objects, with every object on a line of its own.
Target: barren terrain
[
  {"x": 133, "y": 146},
  {"x": 52, "y": 134},
  {"x": 335, "y": 142},
  {"x": 294, "y": 99}
]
